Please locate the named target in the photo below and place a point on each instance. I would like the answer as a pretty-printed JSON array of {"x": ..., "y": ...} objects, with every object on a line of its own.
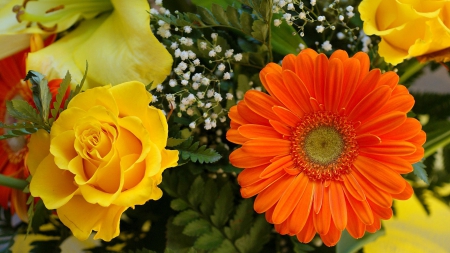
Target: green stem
[
  {"x": 269, "y": 37},
  {"x": 12, "y": 182},
  {"x": 417, "y": 66}
]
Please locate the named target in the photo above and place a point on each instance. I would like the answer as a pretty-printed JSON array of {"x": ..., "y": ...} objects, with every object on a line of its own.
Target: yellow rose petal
[{"x": 38, "y": 149}]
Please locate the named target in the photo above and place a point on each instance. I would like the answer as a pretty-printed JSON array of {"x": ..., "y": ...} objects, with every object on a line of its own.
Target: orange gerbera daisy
[{"x": 325, "y": 149}]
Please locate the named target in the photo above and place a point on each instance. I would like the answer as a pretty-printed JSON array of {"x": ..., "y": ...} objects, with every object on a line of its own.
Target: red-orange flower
[{"x": 325, "y": 149}]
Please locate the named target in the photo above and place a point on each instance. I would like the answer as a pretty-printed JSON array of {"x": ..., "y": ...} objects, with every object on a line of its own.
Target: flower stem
[
  {"x": 11, "y": 182},
  {"x": 416, "y": 66}
]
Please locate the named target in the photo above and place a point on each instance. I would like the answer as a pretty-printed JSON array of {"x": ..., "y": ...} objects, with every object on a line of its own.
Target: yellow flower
[
  {"x": 107, "y": 153},
  {"x": 419, "y": 28},
  {"x": 115, "y": 39}
]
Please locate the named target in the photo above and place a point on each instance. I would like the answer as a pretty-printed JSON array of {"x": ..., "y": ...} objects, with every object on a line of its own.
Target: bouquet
[{"x": 223, "y": 126}]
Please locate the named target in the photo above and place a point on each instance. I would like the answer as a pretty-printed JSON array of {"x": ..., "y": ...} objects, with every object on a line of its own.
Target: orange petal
[
  {"x": 320, "y": 74},
  {"x": 372, "y": 192},
  {"x": 375, "y": 226},
  {"x": 250, "y": 176},
  {"x": 297, "y": 88},
  {"x": 322, "y": 219},
  {"x": 332, "y": 237},
  {"x": 269, "y": 68},
  {"x": 352, "y": 67},
  {"x": 405, "y": 194},
  {"x": 353, "y": 187},
  {"x": 398, "y": 164},
  {"x": 416, "y": 156},
  {"x": 339, "y": 54},
  {"x": 236, "y": 117},
  {"x": 364, "y": 62},
  {"x": 241, "y": 159},
  {"x": 289, "y": 62},
  {"x": 286, "y": 116},
  {"x": 270, "y": 195},
  {"x": 305, "y": 71},
  {"x": 361, "y": 208},
  {"x": 267, "y": 147},
  {"x": 383, "y": 212},
  {"x": 280, "y": 127},
  {"x": 390, "y": 79},
  {"x": 308, "y": 231},
  {"x": 261, "y": 103},
  {"x": 382, "y": 124},
  {"x": 379, "y": 174},
  {"x": 269, "y": 213},
  {"x": 276, "y": 166},
  {"x": 410, "y": 127},
  {"x": 333, "y": 85},
  {"x": 299, "y": 216},
  {"x": 253, "y": 189},
  {"x": 354, "y": 225},
  {"x": 280, "y": 91},
  {"x": 251, "y": 131},
  {"x": 402, "y": 103},
  {"x": 234, "y": 136},
  {"x": 250, "y": 116},
  {"x": 390, "y": 148},
  {"x": 367, "y": 140},
  {"x": 282, "y": 228},
  {"x": 318, "y": 196},
  {"x": 337, "y": 205},
  {"x": 290, "y": 198},
  {"x": 370, "y": 104}
]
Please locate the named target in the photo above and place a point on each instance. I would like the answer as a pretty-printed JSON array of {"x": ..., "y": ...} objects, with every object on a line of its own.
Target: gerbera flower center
[{"x": 323, "y": 146}]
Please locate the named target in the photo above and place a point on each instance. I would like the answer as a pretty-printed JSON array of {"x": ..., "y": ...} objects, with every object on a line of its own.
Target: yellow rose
[
  {"x": 409, "y": 28},
  {"x": 105, "y": 153}
]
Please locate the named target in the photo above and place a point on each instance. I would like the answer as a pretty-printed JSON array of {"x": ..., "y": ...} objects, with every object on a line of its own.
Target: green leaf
[
  {"x": 211, "y": 192},
  {"x": 242, "y": 220},
  {"x": 348, "y": 244},
  {"x": 246, "y": 23},
  {"x": 223, "y": 206},
  {"x": 78, "y": 88},
  {"x": 419, "y": 171},
  {"x": 209, "y": 241},
  {"x": 41, "y": 93},
  {"x": 195, "y": 153},
  {"x": 183, "y": 218},
  {"x": 258, "y": 236},
  {"x": 219, "y": 14},
  {"x": 197, "y": 228},
  {"x": 233, "y": 17},
  {"x": 206, "y": 16},
  {"x": 60, "y": 96},
  {"x": 209, "y": 3},
  {"x": 172, "y": 142},
  {"x": 434, "y": 142},
  {"x": 21, "y": 110},
  {"x": 282, "y": 39},
  {"x": 178, "y": 204},
  {"x": 225, "y": 247},
  {"x": 260, "y": 30},
  {"x": 195, "y": 194},
  {"x": 301, "y": 247},
  {"x": 176, "y": 240}
]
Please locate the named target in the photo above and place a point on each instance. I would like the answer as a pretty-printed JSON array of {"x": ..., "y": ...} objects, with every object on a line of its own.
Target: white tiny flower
[
  {"x": 208, "y": 105},
  {"x": 187, "y": 29},
  {"x": 174, "y": 45},
  {"x": 195, "y": 86},
  {"x": 191, "y": 98},
  {"x": 214, "y": 36},
  {"x": 302, "y": 15},
  {"x": 205, "y": 115},
  {"x": 212, "y": 53},
  {"x": 349, "y": 8},
  {"x": 326, "y": 46},
  {"x": 287, "y": 16},
  {"x": 192, "y": 125},
  {"x": 161, "y": 23},
  {"x": 167, "y": 34},
  {"x": 229, "y": 96},
  {"x": 178, "y": 71},
  {"x": 162, "y": 10},
  {"x": 177, "y": 53},
  {"x": 197, "y": 77},
  {"x": 214, "y": 124},
  {"x": 210, "y": 93},
  {"x": 190, "y": 112},
  {"x": 192, "y": 68},
  {"x": 238, "y": 57},
  {"x": 223, "y": 119},
  {"x": 341, "y": 17},
  {"x": 226, "y": 76},
  {"x": 217, "y": 97},
  {"x": 159, "y": 88},
  {"x": 196, "y": 62},
  {"x": 182, "y": 108},
  {"x": 183, "y": 40},
  {"x": 154, "y": 11},
  {"x": 158, "y": 2},
  {"x": 340, "y": 35},
  {"x": 229, "y": 53},
  {"x": 313, "y": 2},
  {"x": 200, "y": 95},
  {"x": 154, "y": 98},
  {"x": 277, "y": 22},
  {"x": 221, "y": 67},
  {"x": 205, "y": 81},
  {"x": 187, "y": 75},
  {"x": 192, "y": 55},
  {"x": 172, "y": 83},
  {"x": 214, "y": 115},
  {"x": 167, "y": 12},
  {"x": 258, "y": 88},
  {"x": 350, "y": 14},
  {"x": 320, "y": 28},
  {"x": 218, "y": 49},
  {"x": 189, "y": 42},
  {"x": 320, "y": 18},
  {"x": 170, "y": 97},
  {"x": 203, "y": 45},
  {"x": 301, "y": 46},
  {"x": 184, "y": 82},
  {"x": 282, "y": 3},
  {"x": 182, "y": 65},
  {"x": 290, "y": 7}
]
